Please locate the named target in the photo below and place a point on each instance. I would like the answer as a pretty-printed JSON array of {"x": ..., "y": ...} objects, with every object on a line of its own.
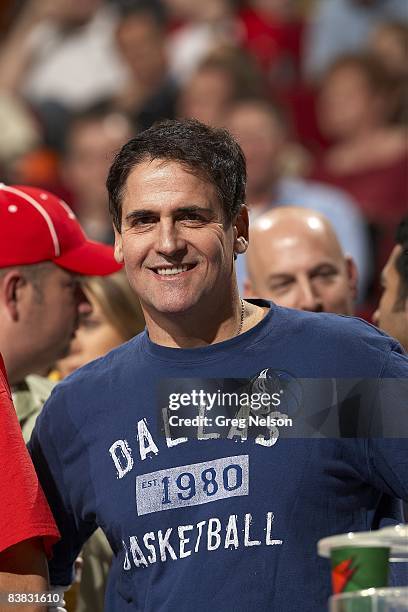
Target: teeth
[{"x": 171, "y": 271}]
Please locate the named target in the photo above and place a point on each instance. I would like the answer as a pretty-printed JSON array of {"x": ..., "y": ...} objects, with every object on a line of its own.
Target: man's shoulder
[
  {"x": 336, "y": 326},
  {"x": 311, "y": 193},
  {"x": 340, "y": 339}
]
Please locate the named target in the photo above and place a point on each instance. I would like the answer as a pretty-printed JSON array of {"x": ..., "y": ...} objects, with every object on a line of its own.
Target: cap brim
[{"x": 91, "y": 259}]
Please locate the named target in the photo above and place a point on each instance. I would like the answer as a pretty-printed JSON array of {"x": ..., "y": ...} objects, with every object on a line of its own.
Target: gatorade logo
[{"x": 342, "y": 574}]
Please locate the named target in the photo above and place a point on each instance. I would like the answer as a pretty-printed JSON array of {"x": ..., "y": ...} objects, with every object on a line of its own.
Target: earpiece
[{"x": 241, "y": 245}]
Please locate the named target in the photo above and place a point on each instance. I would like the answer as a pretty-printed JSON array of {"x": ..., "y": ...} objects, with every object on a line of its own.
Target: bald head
[{"x": 295, "y": 259}]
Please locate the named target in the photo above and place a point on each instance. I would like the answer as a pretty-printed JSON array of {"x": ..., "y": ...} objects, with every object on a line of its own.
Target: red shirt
[
  {"x": 276, "y": 44},
  {"x": 24, "y": 512},
  {"x": 380, "y": 192}
]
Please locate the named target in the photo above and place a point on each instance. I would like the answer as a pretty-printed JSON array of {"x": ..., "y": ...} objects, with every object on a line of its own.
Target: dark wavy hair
[{"x": 209, "y": 153}]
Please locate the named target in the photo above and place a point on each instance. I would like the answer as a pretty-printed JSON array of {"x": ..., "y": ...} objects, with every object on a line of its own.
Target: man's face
[
  {"x": 140, "y": 41},
  {"x": 300, "y": 271},
  {"x": 50, "y": 313},
  {"x": 346, "y": 102},
  {"x": 90, "y": 149},
  {"x": 391, "y": 316},
  {"x": 206, "y": 96},
  {"x": 175, "y": 242},
  {"x": 261, "y": 139}
]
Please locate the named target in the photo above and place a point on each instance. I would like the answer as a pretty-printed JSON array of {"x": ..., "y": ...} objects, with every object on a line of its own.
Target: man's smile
[{"x": 172, "y": 269}]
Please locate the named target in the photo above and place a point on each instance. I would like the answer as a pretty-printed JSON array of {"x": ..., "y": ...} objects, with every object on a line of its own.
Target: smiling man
[
  {"x": 178, "y": 223},
  {"x": 215, "y": 516},
  {"x": 295, "y": 259}
]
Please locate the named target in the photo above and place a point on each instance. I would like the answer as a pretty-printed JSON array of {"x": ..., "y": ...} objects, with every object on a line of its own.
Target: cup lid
[{"x": 394, "y": 537}]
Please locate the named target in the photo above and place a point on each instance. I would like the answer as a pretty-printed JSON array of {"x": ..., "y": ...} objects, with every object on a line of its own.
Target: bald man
[{"x": 295, "y": 259}]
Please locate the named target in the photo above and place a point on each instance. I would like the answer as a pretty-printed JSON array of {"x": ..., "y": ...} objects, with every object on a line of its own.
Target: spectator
[
  {"x": 368, "y": 156},
  {"x": 205, "y": 26},
  {"x": 224, "y": 77},
  {"x": 62, "y": 51},
  {"x": 150, "y": 92},
  {"x": 272, "y": 33},
  {"x": 389, "y": 44},
  {"x": 27, "y": 526},
  {"x": 263, "y": 134},
  {"x": 342, "y": 26},
  {"x": 92, "y": 139},
  {"x": 42, "y": 251},
  {"x": 392, "y": 312},
  {"x": 295, "y": 259}
]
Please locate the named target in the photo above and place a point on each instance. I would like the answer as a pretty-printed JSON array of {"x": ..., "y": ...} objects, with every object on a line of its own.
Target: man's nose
[
  {"x": 83, "y": 304},
  {"x": 169, "y": 238},
  {"x": 308, "y": 298},
  {"x": 376, "y": 317}
]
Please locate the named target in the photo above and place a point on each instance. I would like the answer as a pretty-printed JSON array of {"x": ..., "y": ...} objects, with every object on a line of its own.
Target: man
[
  {"x": 150, "y": 91},
  {"x": 27, "y": 527},
  {"x": 91, "y": 140},
  {"x": 296, "y": 260},
  {"x": 392, "y": 312},
  {"x": 227, "y": 514},
  {"x": 262, "y": 131},
  {"x": 43, "y": 250}
]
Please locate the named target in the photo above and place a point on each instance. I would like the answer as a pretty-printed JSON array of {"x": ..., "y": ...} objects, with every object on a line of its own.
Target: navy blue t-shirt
[{"x": 221, "y": 523}]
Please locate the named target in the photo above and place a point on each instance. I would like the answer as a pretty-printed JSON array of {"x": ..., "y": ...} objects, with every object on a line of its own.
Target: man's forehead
[
  {"x": 63, "y": 273},
  {"x": 294, "y": 245},
  {"x": 162, "y": 182},
  {"x": 291, "y": 256}
]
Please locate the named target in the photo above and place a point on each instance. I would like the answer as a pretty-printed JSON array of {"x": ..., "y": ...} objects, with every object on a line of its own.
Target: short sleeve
[{"x": 25, "y": 513}]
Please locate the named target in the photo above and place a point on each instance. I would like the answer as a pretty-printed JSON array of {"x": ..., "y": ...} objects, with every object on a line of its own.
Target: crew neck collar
[{"x": 217, "y": 350}]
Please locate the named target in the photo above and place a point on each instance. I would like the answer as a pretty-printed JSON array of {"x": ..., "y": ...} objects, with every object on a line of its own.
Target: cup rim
[{"x": 377, "y": 591}]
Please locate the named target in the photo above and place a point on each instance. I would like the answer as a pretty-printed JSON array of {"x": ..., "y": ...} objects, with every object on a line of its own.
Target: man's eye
[
  {"x": 73, "y": 285},
  {"x": 324, "y": 273},
  {"x": 281, "y": 286},
  {"x": 142, "y": 221},
  {"x": 192, "y": 216}
]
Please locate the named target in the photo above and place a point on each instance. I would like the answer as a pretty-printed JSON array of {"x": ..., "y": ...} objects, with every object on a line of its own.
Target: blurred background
[{"x": 316, "y": 91}]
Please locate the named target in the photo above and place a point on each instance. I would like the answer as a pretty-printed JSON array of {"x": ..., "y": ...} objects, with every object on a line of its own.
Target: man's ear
[
  {"x": 118, "y": 250},
  {"x": 352, "y": 275},
  {"x": 241, "y": 230},
  {"x": 10, "y": 292}
]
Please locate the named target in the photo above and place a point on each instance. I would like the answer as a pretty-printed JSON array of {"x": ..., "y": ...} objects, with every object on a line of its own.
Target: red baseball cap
[{"x": 38, "y": 226}]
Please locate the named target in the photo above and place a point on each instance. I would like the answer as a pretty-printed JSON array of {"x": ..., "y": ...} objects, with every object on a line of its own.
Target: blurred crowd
[{"x": 315, "y": 91}]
